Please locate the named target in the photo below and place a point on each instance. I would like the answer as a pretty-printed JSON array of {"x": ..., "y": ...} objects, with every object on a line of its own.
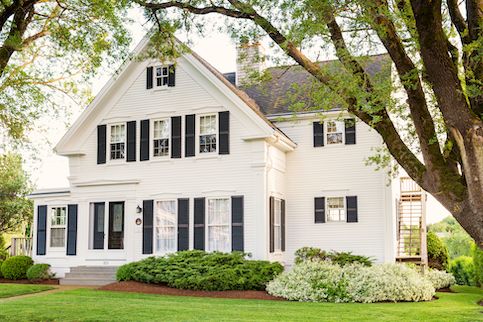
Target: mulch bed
[
  {"x": 137, "y": 287},
  {"x": 445, "y": 290},
  {"x": 25, "y": 281}
]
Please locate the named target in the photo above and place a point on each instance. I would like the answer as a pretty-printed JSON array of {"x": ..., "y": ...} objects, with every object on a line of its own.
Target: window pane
[
  {"x": 218, "y": 221},
  {"x": 57, "y": 237},
  {"x": 165, "y": 223},
  {"x": 218, "y": 212},
  {"x": 208, "y": 124},
  {"x": 335, "y": 209},
  {"x": 335, "y": 130},
  {"x": 219, "y": 238}
]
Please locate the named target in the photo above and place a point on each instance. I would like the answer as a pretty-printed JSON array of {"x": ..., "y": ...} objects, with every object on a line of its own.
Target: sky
[{"x": 220, "y": 51}]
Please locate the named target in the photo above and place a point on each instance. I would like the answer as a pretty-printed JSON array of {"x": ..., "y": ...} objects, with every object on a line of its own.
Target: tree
[
  {"x": 15, "y": 207},
  {"x": 456, "y": 239},
  {"x": 437, "y": 53},
  {"x": 52, "y": 46}
]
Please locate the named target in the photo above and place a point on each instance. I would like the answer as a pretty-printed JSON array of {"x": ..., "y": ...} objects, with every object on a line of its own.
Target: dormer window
[
  {"x": 117, "y": 141},
  {"x": 162, "y": 75},
  {"x": 161, "y": 138},
  {"x": 335, "y": 132},
  {"x": 208, "y": 130}
]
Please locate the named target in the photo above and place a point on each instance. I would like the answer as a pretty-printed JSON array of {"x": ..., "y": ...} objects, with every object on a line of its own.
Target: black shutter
[
  {"x": 131, "y": 141},
  {"x": 171, "y": 76},
  {"x": 147, "y": 226},
  {"x": 183, "y": 224},
  {"x": 199, "y": 224},
  {"x": 282, "y": 225},
  {"x": 237, "y": 239},
  {"x": 224, "y": 132},
  {"x": 350, "y": 131},
  {"x": 176, "y": 137},
  {"x": 149, "y": 77},
  {"x": 144, "y": 142},
  {"x": 272, "y": 227},
  {"x": 71, "y": 229},
  {"x": 318, "y": 134},
  {"x": 101, "y": 144},
  {"x": 319, "y": 208},
  {"x": 351, "y": 204},
  {"x": 41, "y": 229},
  {"x": 189, "y": 136}
]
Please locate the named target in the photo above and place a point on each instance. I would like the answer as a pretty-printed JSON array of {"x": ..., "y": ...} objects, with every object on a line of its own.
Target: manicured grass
[
  {"x": 92, "y": 305},
  {"x": 9, "y": 290}
]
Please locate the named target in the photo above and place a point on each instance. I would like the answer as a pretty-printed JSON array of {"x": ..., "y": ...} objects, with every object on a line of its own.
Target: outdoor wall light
[{"x": 139, "y": 209}]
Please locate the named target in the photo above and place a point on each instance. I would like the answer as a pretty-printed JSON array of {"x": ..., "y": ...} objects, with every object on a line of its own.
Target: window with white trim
[
  {"x": 207, "y": 137},
  {"x": 335, "y": 132},
  {"x": 218, "y": 225},
  {"x": 117, "y": 141},
  {"x": 277, "y": 225},
  {"x": 58, "y": 223},
  {"x": 161, "y": 138},
  {"x": 165, "y": 221},
  {"x": 161, "y": 76},
  {"x": 336, "y": 209}
]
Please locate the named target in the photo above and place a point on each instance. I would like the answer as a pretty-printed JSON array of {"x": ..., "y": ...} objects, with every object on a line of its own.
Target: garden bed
[
  {"x": 53, "y": 281},
  {"x": 137, "y": 287}
]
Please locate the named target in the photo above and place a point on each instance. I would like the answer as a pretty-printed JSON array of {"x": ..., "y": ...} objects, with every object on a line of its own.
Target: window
[
  {"x": 335, "y": 130},
  {"x": 118, "y": 139},
  {"x": 165, "y": 225},
  {"x": 162, "y": 73},
  {"x": 277, "y": 225},
  {"x": 335, "y": 209},
  {"x": 58, "y": 222},
  {"x": 218, "y": 225},
  {"x": 160, "y": 138},
  {"x": 208, "y": 133}
]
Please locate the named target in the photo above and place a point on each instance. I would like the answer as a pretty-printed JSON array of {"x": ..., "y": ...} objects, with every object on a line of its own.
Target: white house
[{"x": 174, "y": 156}]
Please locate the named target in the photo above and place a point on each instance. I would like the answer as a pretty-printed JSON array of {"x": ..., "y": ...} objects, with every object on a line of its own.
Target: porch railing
[{"x": 21, "y": 246}]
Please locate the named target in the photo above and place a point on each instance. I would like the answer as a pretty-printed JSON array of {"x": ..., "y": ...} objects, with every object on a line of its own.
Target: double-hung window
[
  {"x": 335, "y": 132},
  {"x": 277, "y": 225},
  {"x": 165, "y": 225},
  {"x": 218, "y": 225},
  {"x": 336, "y": 209},
  {"x": 207, "y": 135},
  {"x": 58, "y": 222},
  {"x": 162, "y": 74},
  {"x": 117, "y": 141},
  {"x": 161, "y": 138}
]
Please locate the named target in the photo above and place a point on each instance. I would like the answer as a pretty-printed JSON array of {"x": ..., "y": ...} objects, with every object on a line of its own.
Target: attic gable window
[
  {"x": 161, "y": 138},
  {"x": 162, "y": 76},
  {"x": 208, "y": 130},
  {"x": 117, "y": 141},
  {"x": 335, "y": 132}
]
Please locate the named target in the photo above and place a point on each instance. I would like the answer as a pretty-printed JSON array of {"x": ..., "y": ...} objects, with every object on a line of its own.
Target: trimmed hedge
[
  {"x": 199, "y": 270},
  {"x": 342, "y": 258},
  {"x": 15, "y": 267},
  {"x": 39, "y": 272}
]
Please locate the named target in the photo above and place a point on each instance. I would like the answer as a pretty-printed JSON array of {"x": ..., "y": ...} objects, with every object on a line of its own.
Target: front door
[
  {"x": 98, "y": 229},
  {"x": 116, "y": 225}
]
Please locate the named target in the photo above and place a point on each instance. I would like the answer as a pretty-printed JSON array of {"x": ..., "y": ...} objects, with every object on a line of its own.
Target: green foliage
[
  {"x": 342, "y": 258},
  {"x": 39, "y": 272},
  {"x": 15, "y": 207},
  {"x": 15, "y": 267},
  {"x": 199, "y": 270},
  {"x": 1, "y": 263},
  {"x": 463, "y": 269},
  {"x": 478, "y": 263},
  {"x": 455, "y": 238},
  {"x": 3, "y": 250},
  {"x": 437, "y": 252}
]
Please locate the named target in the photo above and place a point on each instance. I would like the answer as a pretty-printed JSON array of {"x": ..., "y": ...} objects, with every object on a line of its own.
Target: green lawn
[
  {"x": 9, "y": 290},
  {"x": 92, "y": 305}
]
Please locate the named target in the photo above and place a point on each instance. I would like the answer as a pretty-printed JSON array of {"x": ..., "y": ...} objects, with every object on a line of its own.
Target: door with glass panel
[
  {"x": 165, "y": 221},
  {"x": 98, "y": 225},
  {"x": 116, "y": 225}
]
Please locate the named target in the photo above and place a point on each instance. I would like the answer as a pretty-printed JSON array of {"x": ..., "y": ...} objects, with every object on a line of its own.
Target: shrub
[
  {"x": 323, "y": 281},
  {"x": 15, "y": 267},
  {"x": 437, "y": 252},
  {"x": 463, "y": 270},
  {"x": 478, "y": 263},
  {"x": 3, "y": 250},
  {"x": 439, "y": 279},
  {"x": 39, "y": 272},
  {"x": 199, "y": 270},
  {"x": 342, "y": 258},
  {"x": 1, "y": 275}
]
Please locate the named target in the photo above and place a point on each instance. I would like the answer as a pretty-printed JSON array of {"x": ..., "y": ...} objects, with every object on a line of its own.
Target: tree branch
[{"x": 458, "y": 20}]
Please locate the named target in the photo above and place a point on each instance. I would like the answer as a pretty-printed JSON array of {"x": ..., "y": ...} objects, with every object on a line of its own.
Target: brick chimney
[{"x": 249, "y": 61}]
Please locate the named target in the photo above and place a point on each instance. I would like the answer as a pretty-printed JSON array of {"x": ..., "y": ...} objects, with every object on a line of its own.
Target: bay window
[{"x": 218, "y": 224}]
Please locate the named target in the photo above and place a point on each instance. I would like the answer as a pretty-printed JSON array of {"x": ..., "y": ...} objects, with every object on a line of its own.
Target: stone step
[
  {"x": 86, "y": 281},
  {"x": 107, "y": 275},
  {"x": 89, "y": 269}
]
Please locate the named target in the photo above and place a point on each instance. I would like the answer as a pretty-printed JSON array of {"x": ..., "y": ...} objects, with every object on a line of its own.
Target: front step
[{"x": 90, "y": 275}]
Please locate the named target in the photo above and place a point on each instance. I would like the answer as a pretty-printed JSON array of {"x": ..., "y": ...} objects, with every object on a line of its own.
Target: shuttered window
[
  {"x": 161, "y": 130},
  {"x": 165, "y": 226},
  {"x": 117, "y": 141},
  {"x": 218, "y": 224},
  {"x": 335, "y": 209},
  {"x": 277, "y": 224},
  {"x": 58, "y": 224},
  {"x": 207, "y": 133}
]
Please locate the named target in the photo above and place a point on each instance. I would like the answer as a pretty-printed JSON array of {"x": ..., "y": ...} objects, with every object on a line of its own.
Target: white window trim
[
  {"x": 49, "y": 226},
  {"x": 327, "y": 210},
  {"x": 155, "y": 251},
  {"x": 207, "y": 225},
  {"x": 326, "y": 132},
  {"x": 151, "y": 139},
  {"x": 197, "y": 133},
  {"x": 155, "y": 78},
  {"x": 108, "y": 139},
  {"x": 276, "y": 199}
]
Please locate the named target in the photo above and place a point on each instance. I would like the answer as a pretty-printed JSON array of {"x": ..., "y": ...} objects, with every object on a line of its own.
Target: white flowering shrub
[
  {"x": 327, "y": 282},
  {"x": 439, "y": 279}
]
